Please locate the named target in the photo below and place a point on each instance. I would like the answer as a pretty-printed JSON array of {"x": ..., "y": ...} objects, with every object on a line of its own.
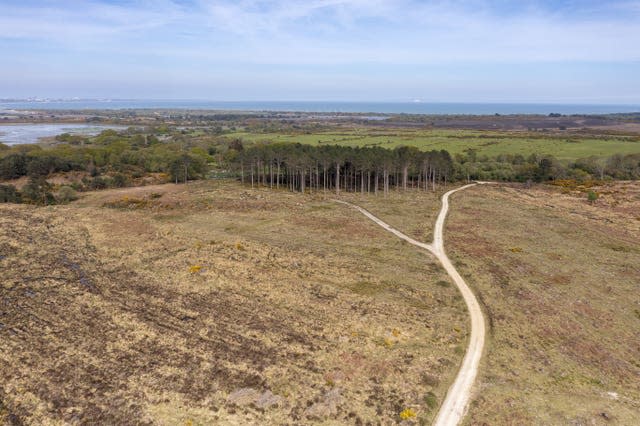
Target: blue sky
[{"x": 351, "y": 50}]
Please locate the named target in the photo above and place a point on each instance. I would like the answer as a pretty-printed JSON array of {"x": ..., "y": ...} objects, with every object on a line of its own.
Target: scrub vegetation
[
  {"x": 312, "y": 155},
  {"x": 559, "y": 280},
  {"x": 194, "y": 269},
  {"x": 215, "y": 303}
]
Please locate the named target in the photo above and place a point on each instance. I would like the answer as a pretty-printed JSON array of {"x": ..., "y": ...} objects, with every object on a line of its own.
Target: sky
[{"x": 538, "y": 51}]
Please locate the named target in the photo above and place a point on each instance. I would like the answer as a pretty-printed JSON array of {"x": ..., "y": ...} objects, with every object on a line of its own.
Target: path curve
[{"x": 454, "y": 407}]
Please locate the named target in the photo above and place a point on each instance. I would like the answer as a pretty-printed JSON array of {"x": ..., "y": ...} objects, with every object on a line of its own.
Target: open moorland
[
  {"x": 123, "y": 300},
  {"x": 214, "y": 303},
  {"x": 559, "y": 279}
]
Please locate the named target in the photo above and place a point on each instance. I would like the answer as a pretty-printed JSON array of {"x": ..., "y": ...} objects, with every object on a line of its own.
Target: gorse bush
[
  {"x": 66, "y": 194},
  {"x": 38, "y": 191},
  {"x": 9, "y": 194},
  {"x": 407, "y": 414}
]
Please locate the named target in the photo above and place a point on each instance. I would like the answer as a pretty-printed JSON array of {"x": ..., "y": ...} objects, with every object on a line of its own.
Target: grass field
[
  {"x": 213, "y": 303},
  {"x": 560, "y": 283},
  {"x": 569, "y": 146}
]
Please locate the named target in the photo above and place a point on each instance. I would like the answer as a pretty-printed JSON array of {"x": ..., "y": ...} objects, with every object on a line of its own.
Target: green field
[{"x": 564, "y": 147}]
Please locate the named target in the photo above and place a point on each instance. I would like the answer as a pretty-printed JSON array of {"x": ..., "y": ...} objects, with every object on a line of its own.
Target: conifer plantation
[{"x": 338, "y": 168}]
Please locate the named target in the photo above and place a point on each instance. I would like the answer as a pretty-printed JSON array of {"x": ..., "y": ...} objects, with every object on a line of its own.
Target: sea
[{"x": 415, "y": 107}]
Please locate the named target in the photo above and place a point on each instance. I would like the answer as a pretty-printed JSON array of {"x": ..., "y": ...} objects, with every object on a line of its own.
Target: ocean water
[
  {"x": 13, "y": 134},
  {"x": 329, "y": 107}
]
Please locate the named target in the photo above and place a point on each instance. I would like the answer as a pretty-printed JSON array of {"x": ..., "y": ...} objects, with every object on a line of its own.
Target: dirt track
[
  {"x": 455, "y": 404},
  {"x": 214, "y": 305}
]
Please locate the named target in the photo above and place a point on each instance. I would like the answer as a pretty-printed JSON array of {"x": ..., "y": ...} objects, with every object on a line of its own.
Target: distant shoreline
[{"x": 417, "y": 108}]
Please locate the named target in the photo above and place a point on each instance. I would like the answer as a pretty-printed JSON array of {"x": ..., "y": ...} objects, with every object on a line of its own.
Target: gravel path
[{"x": 454, "y": 407}]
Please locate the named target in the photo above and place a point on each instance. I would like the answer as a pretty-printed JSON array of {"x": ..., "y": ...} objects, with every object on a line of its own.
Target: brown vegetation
[
  {"x": 559, "y": 279},
  {"x": 211, "y": 303}
]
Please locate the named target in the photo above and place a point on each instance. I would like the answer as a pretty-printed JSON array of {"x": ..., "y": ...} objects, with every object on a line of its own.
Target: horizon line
[{"x": 414, "y": 101}]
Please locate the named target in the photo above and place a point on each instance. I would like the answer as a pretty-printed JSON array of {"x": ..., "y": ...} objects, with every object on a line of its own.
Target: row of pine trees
[{"x": 337, "y": 168}]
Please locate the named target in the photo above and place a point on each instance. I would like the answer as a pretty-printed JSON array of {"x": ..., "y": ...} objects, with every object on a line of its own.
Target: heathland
[
  {"x": 195, "y": 269},
  {"x": 559, "y": 279},
  {"x": 214, "y": 302}
]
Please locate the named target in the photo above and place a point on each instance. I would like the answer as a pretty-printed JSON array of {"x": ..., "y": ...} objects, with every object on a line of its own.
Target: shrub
[
  {"x": 38, "y": 191},
  {"x": 236, "y": 145},
  {"x": 119, "y": 180},
  {"x": 43, "y": 166},
  {"x": 592, "y": 196},
  {"x": 67, "y": 194},
  {"x": 127, "y": 203},
  {"x": 431, "y": 400},
  {"x": 430, "y": 379},
  {"x": 98, "y": 183},
  {"x": 13, "y": 166},
  {"x": 9, "y": 194},
  {"x": 78, "y": 186}
]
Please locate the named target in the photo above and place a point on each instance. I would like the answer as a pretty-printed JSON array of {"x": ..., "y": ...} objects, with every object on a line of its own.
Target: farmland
[{"x": 569, "y": 146}]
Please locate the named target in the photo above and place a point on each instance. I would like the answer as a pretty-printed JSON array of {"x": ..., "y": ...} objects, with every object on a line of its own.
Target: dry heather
[
  {"x": 560, "y": 282},
  {"x": 413, "y": 212},
  {"x": 212, "y": 303}
]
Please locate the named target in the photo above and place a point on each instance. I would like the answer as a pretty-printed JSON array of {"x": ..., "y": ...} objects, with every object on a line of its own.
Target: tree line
[
  {"x": 340, "y": 168},
  {"x": 110, "y": 158},
  {"x": 116, "y": 159},
  {"x": 374, "y": 169},
  {"x": 545, "y": 168}
]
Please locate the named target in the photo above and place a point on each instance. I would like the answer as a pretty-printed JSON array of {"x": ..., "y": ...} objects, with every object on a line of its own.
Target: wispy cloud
[
  {"x": 332, "y": 30},
  {"x": 348, "y": 37}
]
